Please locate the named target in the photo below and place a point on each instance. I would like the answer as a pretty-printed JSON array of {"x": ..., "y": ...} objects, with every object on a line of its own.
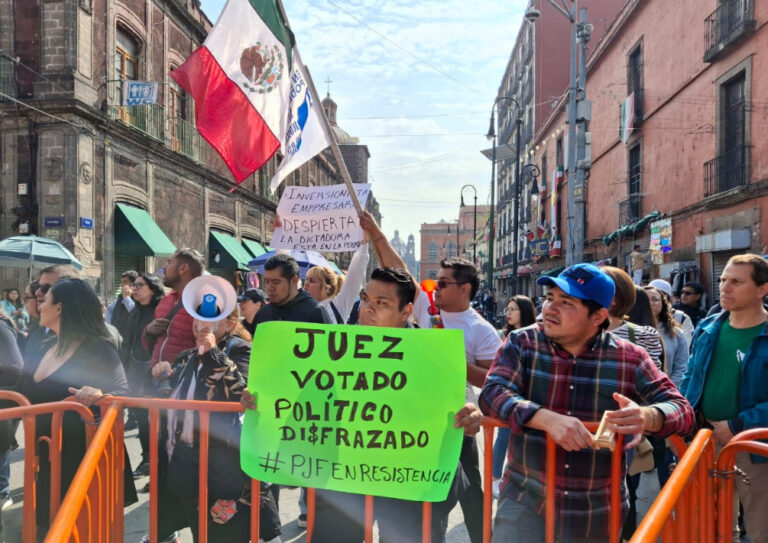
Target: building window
[
  {"x": 450, "y": 249},
  {"x": 559, "y": 152},
  {"x": 432, "y": 252},
  {"x": 730, "y": 168},
  {"x": 630, "y": 208},
  {"x": 635, "y": 170},
  {"x": 635, "y": 80},
  {"x": 126, "y": 59},
  {"x": 734, "y": 113}
]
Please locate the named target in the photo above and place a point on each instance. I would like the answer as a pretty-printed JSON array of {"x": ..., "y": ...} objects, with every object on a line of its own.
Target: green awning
[
  {"x": 630, "y": 230},
  {"x": 254, "y": 247},
  {"x": 231, "y": 254},
  {"x": 137, "y": 234},
  {"x": 335, "y": 268}
]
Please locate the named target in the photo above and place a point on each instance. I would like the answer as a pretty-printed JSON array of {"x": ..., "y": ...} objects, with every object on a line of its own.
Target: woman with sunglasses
[
  {"x": 147, "y": 291},
  {"x": 520, "y": 313},
  {"x": 81, "y": 362}
]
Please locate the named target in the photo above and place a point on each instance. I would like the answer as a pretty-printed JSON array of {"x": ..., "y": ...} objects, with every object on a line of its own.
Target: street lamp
[
  {"x": 492, "y": 136},
  {"x": 474, "y": 221}
]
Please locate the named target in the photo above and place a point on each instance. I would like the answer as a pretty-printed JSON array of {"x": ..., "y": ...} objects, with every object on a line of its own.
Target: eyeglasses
[
  {"x": 512, "y": 310},
  {"x": 687, "y": 292},
  {"x": 442, "y": 283},
  {"x": 30, "y": 297},
  {"x": 138, "y": 285}
]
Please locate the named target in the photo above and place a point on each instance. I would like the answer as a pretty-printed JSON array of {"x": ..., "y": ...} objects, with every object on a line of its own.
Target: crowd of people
[{"x": 598, "y": 344}]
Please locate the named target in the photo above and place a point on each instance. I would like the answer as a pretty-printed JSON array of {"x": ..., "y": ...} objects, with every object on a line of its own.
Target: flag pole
[{"x": 327, "y": 129}]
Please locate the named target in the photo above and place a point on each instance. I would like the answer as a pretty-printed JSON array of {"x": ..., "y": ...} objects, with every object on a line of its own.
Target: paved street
[{"x": 137, "y": 515}]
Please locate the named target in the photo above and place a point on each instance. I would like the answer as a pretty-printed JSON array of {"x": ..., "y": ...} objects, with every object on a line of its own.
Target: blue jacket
[{"x": 753, "y": 385}]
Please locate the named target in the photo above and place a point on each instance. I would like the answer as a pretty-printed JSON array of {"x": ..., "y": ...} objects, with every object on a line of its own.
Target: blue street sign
[
  {"x": 86, "y": 222},
  {"x": 53, "y": 222}
]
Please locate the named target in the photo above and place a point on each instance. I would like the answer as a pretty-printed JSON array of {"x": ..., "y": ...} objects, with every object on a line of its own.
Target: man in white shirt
[{"x": 457, "y": 284}]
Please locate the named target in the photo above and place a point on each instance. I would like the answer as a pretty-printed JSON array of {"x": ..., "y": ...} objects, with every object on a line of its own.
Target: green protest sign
[{"x": 357, "y": 409}]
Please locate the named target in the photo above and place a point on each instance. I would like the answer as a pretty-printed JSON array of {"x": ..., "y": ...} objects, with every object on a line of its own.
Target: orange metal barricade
[
  {"x": 684, "y": 510},
  {"x": 100, "y": 478},
  {"x": 92, "y": 509},
  {"x": 28, "y": 413},
  {"x": 490, "y": 424},
  {"x": 745, "y": 442}
]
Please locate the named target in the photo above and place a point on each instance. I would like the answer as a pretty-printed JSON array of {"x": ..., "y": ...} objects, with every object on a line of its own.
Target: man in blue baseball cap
[{"x": 553, "y": 376}]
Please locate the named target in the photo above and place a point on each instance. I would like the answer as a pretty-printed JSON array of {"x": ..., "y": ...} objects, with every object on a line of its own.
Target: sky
[{"x": 414, "y": 81}]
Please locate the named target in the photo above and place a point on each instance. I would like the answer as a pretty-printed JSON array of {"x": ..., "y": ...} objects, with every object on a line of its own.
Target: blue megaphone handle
[{"x": 208, "y": 307}]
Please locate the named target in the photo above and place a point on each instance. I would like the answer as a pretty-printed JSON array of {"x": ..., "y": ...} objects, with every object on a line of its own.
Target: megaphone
[{"x": 209, "y": 299}]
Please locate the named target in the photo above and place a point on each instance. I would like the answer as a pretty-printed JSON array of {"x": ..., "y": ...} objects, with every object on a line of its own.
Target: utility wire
[{"x": 403, "y": 49}]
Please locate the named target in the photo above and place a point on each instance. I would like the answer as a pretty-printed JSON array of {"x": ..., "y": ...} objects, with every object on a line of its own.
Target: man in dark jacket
[
  {"x": 287, "y": 302},
  {"x": 251, "y": 301},
  {"x": 690, "y": 301}
]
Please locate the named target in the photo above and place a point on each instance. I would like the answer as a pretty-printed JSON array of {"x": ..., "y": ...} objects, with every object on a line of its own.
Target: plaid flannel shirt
[{"x": 531, "y": 372}]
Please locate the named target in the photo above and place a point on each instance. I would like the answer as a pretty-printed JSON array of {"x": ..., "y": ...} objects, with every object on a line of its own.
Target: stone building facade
[{"x": 115, "y": 183}]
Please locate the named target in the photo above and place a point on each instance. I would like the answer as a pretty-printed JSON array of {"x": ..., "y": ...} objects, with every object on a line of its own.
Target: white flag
[{"x": 305, "y": 135}]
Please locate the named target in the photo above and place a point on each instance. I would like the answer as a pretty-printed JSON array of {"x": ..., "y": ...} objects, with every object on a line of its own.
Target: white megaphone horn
[{"x": 209, "y": 299}]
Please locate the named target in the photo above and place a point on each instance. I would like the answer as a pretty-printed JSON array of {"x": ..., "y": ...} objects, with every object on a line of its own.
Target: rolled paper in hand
[{"x": 604, "y": 438}]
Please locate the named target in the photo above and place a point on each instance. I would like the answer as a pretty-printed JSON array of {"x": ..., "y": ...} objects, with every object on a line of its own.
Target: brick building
[
  {"x": 120, "y": 186},
  {"x": 692, "y": 73},
  {"x": 446, "y": 239}
]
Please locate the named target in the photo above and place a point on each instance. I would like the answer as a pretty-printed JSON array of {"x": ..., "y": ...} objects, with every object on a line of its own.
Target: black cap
[{"x": 253, "y": 294}]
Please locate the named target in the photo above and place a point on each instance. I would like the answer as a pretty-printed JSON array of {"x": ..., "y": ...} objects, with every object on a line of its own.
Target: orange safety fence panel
[
  {"x": 744, "y": 442},
  {"x": 28, "y": 413},
  {"x": 684, "y": 510},
  {"x": 92, "y": 509},
  {"x": 489, "y": 424}
]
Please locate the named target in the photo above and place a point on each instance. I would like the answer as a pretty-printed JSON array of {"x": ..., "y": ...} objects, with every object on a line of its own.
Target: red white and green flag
[{"x": 251, "y": 91}]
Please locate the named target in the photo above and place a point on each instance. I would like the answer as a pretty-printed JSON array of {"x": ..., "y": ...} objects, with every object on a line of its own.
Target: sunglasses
[
  {"x": 687, "y": 293},
  {"x": 442, "y": 283},
  {"x": 44, "y": 288}
]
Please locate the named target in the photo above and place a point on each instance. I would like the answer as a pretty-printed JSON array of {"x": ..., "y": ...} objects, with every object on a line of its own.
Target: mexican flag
[{"x": 252, "y": 94}]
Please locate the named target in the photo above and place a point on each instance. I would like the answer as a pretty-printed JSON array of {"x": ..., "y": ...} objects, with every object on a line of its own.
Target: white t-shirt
[{"x": 481, "y": 340}]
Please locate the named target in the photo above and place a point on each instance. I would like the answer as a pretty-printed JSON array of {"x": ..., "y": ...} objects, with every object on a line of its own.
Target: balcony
[
  {"x": 185, "y": 139},
  {"x": 148, "y": 119},
  {"x": 630, "y": 209},
  {"x": 728, "y": 24},
  {"x": 727, "y": 171}
]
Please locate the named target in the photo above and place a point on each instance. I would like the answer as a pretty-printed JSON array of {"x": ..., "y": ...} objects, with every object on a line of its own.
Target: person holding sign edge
[{"x": 386, "y": 302}]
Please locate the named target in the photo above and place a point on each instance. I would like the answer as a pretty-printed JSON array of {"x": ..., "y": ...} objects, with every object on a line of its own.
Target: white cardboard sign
[{"x": 319, "y": 219}]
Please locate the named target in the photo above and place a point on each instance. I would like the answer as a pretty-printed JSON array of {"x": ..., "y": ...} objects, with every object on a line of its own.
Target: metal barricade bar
[
  {"x": 28, "y": 413},
  {"x": 744, "y": 442},
  {"x": 677, "y": 495}
]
